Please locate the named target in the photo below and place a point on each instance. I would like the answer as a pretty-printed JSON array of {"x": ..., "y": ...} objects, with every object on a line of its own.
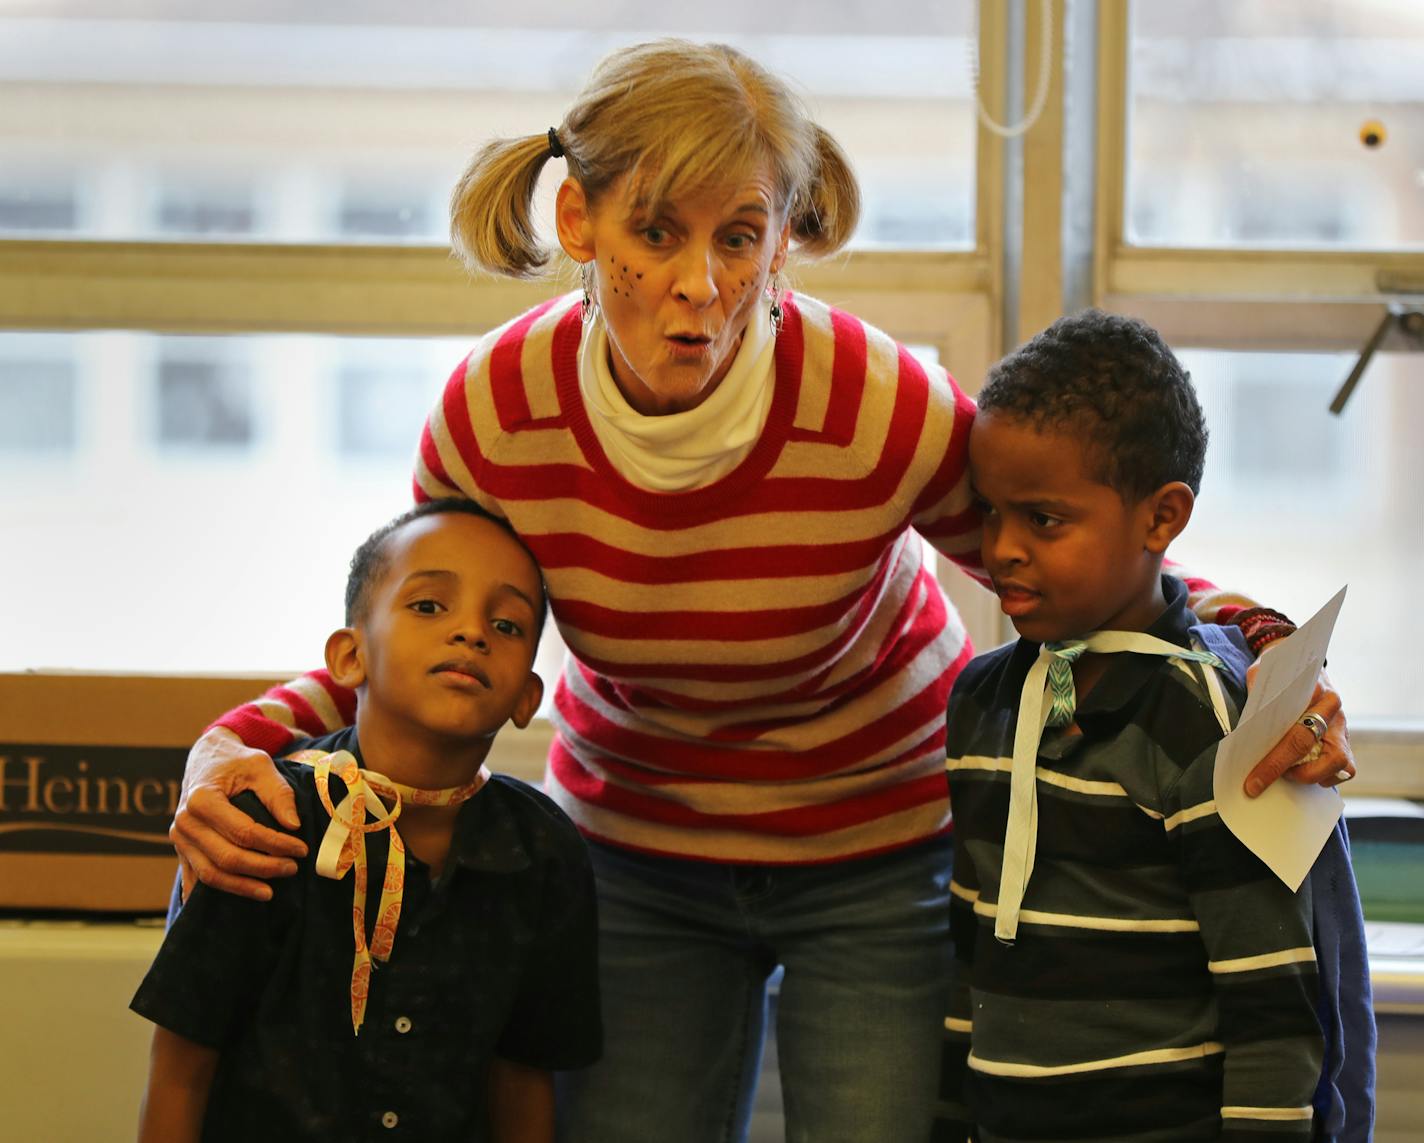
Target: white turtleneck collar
[{"x": 680, "y": 451}]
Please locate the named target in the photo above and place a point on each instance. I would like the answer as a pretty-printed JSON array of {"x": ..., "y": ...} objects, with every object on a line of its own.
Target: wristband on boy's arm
[
  {"x": 1209, "y": 603},
  {"x": 1261, "y": 626}
]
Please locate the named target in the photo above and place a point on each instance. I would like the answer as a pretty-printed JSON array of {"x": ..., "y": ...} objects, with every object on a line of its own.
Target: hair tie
[{"x": 556, "y": 149}]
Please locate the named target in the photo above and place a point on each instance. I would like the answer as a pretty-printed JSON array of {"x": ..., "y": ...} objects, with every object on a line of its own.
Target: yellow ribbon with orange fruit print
[{"x": 343, "y": 848}]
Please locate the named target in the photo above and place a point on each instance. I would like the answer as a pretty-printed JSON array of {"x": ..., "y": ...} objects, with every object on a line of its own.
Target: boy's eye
[
  {"x": 1043, "y": 520},
  {"x": 655, "y": 235},
  {"x": 426, "y": 606},
  {"x": 508, "y": 627},
  {"x": 982, "y": 506}
]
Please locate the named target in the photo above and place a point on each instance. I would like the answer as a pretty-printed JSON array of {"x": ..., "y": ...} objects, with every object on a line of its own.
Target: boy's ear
[
  {"x": 529, "y": 700},
  {"x": 1170, "y": 509},
  {"x": 573, "y": 221},
  {"x": 345, "y": 658}
]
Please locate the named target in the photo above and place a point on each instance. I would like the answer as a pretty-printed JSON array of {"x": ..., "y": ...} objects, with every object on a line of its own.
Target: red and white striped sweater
[{"x": 759, "y": 666}]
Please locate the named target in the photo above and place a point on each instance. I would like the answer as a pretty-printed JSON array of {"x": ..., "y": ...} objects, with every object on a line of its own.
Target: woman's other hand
[
  {"x": 217, "y": 843},
  {"x": 1291, "y": 756}
]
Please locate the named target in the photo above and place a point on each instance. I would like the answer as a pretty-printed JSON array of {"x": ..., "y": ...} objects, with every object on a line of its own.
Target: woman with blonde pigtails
[{"x": 726, "y": 487}]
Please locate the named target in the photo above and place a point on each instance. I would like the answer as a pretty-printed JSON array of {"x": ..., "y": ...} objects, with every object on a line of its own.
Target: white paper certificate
[{"x": 1288, "y": 825}]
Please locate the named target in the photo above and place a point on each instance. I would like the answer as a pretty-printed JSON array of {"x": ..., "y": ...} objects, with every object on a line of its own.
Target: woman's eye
[{"x": 741, "y": 241}]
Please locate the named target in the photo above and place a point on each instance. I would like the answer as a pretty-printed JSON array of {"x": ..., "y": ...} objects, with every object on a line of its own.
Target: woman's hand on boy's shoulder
[
  {"x": 217, "y": 843},
  {"x": 1291, "y": 756}
]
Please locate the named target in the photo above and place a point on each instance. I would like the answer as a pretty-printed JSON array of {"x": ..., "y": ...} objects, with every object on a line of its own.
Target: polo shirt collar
[
  {"x": 1098, "y": 712},
  {"x": 1127, "y": 673}
]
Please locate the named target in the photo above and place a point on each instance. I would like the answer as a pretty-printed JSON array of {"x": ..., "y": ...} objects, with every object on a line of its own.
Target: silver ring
[{"x": 1315, "y": 724}]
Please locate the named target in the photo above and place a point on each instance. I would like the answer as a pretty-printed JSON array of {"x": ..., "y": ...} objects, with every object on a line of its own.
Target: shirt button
[
  {"x": 390, "y": 1119},
  {"x": 403, "y": 1024}
]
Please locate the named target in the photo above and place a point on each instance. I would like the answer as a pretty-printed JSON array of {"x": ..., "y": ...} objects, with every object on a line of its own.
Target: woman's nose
[{"x": 696, "y": 280}]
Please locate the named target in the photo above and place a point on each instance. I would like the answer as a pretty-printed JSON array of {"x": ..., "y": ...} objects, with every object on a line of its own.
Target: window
[
  {"x": 1281, "y": 123},
  {"x": 368, "y": 211},
  {"x": 38, "y": 404},
  {"x": 173, "y": 95},
  {"x": 1260, "y": 202},
  {"x": 215, "y": 535},
  {"x": 204, "y": 398},
  {"x": 297, "y": 171},
  {"x": 36, "y": 203},
  {"x": 1297, "y": 502},
  {"x": 381, "y": 404},
  {"x": 1287, "y": 394},
  {"x": 204, "y": 209}
]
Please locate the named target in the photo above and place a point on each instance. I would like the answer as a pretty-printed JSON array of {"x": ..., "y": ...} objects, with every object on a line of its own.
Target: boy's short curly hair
[
  {"x": 1113, "y": 382},
  {"x": 370, "y": 560}
]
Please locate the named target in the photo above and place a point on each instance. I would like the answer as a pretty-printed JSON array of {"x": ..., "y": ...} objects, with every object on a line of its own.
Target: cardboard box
[{"x": 90, "y": 767}]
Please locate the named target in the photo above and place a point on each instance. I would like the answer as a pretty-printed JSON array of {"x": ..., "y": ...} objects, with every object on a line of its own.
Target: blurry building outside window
[
  {"x": 1276, "y": 123},
  {"x": 373, "y": 213},
  {"x": 1297, "y": 502},
  {"x": 196, "y": 463},
  {"x": 1280, "y": 145},
  {"x": 35, "y": 205},
  {"x": 380, "y": 411},
  {"x": 287, "y": 102},
  {"x": 38, "y": 407},
  {"x": 211, "y": 533},
  {"x": 200, "y": 211},
  {"x": 203, "y": 401}
]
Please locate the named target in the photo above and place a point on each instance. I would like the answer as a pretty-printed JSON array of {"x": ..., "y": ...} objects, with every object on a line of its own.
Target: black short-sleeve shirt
[{"x": 496, "y": 958}]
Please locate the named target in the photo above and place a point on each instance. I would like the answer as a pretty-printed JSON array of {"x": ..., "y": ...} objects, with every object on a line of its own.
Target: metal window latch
[{"x": 1402, "y": 326}]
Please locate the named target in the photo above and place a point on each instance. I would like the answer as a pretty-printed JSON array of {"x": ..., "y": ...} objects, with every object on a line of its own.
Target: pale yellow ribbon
[
  {"x": 343, "y": 848},
  {"x": 1021, "y": 836}
]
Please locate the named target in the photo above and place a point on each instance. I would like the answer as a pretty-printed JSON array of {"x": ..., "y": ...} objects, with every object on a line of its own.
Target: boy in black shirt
[{"x": 473, "y": 928}]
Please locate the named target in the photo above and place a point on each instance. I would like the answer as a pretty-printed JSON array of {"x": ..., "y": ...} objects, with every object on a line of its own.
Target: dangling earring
[
  {"x": 588, "y": 306},
  {"x": 774, "y": 288}
]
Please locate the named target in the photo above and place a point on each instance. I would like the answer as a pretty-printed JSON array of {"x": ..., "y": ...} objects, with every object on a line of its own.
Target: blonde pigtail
[
  {"x": 492, "y": 208},
  {"x": 825, "y": 214}
]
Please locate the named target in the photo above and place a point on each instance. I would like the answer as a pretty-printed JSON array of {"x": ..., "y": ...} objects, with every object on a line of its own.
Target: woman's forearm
[{"x": 308, "y": 706}]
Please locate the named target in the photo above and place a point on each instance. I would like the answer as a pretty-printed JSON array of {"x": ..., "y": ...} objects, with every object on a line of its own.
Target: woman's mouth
[{"x": 688, "y": 344}]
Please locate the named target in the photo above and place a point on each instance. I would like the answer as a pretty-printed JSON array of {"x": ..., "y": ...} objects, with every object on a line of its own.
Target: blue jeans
[{"x": 686, "y": 949}]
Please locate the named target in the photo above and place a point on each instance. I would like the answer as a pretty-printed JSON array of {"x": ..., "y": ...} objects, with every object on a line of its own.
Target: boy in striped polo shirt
[{"x": 1126, "y": 969}]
